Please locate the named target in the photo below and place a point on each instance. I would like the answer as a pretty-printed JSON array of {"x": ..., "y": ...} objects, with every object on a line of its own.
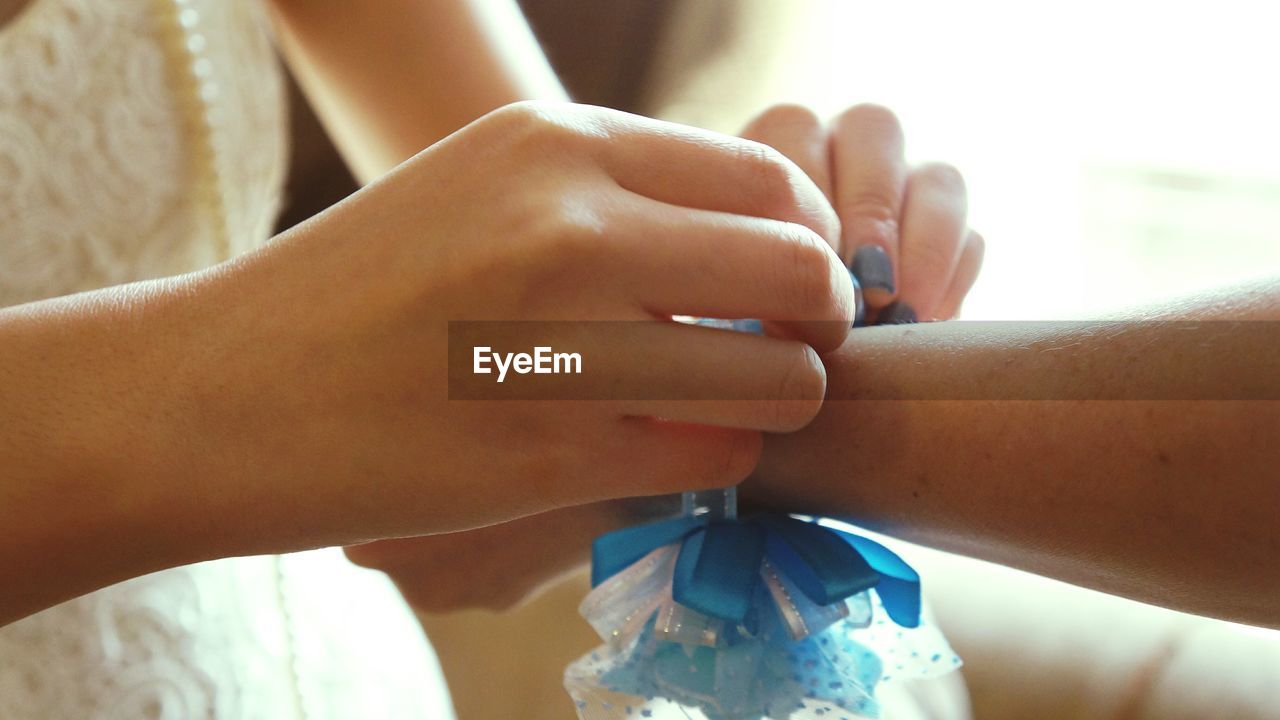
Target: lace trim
[{"x": 137, "y": 139}]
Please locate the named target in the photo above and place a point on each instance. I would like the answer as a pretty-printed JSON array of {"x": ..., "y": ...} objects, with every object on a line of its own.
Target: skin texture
[
  {"x": 915, "y": 214},
  {"x": 555, "y": 543},
  {"x": 297, "y": 417},
  {"x": 354, "y": 59},
  {"x": 531, "y": 568},
  {"x": 1168, "y": 501},
  {"x": 112, "y": 541},
  {"x": 1054, "y": 486}
]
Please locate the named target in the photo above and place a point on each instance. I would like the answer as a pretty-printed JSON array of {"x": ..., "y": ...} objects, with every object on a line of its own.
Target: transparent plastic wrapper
[
  {"x": 709, "y": 616},
  {"x": 714, "y": 617}
]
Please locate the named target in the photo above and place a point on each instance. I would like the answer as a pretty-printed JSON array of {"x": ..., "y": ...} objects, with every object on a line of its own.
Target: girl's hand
[
  {"x": 499, "y": 567},
  {"x": 322, "y": 395},
  {"x": 903, "y": 229}
]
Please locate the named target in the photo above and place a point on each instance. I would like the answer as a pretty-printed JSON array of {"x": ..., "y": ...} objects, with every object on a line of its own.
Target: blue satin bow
[{"x": 718, "y": 567}]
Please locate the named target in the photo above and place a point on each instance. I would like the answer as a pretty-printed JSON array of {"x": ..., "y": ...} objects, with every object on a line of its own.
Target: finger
[
  {"x": 962, "y": 280},
  {"x": 654, "y": 368},
  {"x": 665, "y": 456},
  {"x": 721, "y": 378},
  {"x": 696, "y": 168},
  {"x": 869, "y": 175},
  {"x": 550, "y": 543},
  {"x": 709, "y": 264},
  {"x": 799, "y": 134},
  {"x": 933, "y": 228}
]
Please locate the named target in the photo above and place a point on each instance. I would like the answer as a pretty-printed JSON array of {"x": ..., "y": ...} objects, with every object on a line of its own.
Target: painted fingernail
[
  {"x": 859, "y": 305},
  {"x": 896, "y": 313},
  {"x": 872, "y": 268}
]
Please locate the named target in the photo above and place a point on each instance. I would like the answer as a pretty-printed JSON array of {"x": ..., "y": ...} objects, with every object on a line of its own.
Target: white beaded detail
[{"x": 137, "y": 139}]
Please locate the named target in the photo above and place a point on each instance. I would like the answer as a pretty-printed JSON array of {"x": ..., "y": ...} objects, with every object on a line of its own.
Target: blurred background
[{"x": 1116, "y": 153}]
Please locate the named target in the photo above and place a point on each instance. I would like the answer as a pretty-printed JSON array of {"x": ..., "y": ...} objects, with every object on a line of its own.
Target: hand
[
  {"x": 506, "y": 564},
  {"x": 903, "y": 229},
  {"x": 502, "y": 566},
  {"x": 323, "y": 393}
]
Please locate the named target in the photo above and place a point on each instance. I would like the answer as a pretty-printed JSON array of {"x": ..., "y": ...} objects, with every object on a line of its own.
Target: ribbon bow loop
[{"x": 718, "y": 564}]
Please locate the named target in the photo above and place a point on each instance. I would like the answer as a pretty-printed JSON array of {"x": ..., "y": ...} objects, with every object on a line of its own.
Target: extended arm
[
  {"x": 1100, "y": 458},
  {"x": 390, "y": 77}
]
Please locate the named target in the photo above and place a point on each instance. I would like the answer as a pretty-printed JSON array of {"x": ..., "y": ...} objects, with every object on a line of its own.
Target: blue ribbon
[
  {"x": 817, "y": 560},
  {"x": 614, "y": 552},
  {"x": 718, "y": 567},
  {"x": 899, "y": 586}
]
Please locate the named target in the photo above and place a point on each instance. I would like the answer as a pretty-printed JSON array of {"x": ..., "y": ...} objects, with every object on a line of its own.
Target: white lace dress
[{"x": 142, "y": 138}]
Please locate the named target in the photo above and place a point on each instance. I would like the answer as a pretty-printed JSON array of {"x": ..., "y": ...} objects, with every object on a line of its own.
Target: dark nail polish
[
  {"x": 872, "y": 268},
  {"x": 896, "y": 313},
  {"x": 859, "y": 305}
]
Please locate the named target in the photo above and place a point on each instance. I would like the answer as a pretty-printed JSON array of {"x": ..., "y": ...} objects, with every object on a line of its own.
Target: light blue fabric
[{"x": 717, "y": 578}]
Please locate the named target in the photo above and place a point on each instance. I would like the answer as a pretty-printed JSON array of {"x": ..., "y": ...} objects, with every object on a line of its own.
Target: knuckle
[
  {"x": 800, "y": 391},
  {"x": 365, "y": 555},
  {"x": 786, "y": 192},
  {"x": 871, "y": 116},
  {"x": 872, "y": 205},
  {"x": 864, "y": 230},
  {"x": 733, "y": 457},
  {"x": 976, "y": 245},
  {"x": 942, "y": 175},
  {"x": 934, "y": 259},
  {"x": 518, "y": 119},
  {"x": 520, "y": 111},
  {"x": 808, "y": 282},
  {"x": 772, "y": 176},
  {"x": 551, "y": 129},
  {"x": 789, "y": 117},
  {"x": 568, "y": 227}
]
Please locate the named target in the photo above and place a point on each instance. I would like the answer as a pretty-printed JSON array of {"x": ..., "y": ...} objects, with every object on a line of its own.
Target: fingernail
[
  {"x": 872, "y": 268},
  {"x": 896, "y": 313},
  {"x": 859, "y": 305}
]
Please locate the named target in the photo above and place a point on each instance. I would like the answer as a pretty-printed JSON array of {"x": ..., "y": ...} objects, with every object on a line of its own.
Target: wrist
[{"x": 191, "y": 441}]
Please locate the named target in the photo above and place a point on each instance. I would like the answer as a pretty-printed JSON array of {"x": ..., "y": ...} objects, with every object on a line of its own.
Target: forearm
[
  {"x": 391, "y": 77},
  {"x": 87, "y": 497},
  {"x": 119, "y": 452},
  {"x": 1065, "y": 470}
]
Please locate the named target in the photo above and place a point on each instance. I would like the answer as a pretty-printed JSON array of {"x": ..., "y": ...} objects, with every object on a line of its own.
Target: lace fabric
[
  {"x": 306, "y": 636},
  {"x": 141, "y": 139},
  {"x": 137, "y": 140}
]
